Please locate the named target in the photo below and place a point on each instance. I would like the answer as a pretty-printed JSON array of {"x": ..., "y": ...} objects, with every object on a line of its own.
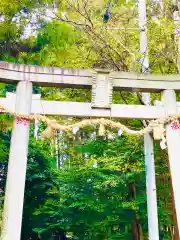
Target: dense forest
[{"x": 85, "y": 186}]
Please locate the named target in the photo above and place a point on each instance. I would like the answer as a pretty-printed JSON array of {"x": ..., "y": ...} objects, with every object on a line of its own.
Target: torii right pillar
[{"x": 173, "y": 143}]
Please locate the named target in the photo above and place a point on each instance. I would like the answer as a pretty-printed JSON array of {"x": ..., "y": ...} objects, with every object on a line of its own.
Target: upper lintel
[{"x": 82, "y": 78}]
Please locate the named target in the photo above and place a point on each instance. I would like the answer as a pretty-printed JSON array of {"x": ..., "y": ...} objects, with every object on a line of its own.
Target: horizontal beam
[
  {"x": 145, "y": 82},
  {"x": 159, "y": 103},
  {"x": 45, "y": 76},
  {"x": 81, "y": 78},
  {"x": 84, "y": 109}
]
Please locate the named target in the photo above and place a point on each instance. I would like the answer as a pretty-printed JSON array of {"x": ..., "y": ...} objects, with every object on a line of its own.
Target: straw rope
[{"x": 52, "y": 124}]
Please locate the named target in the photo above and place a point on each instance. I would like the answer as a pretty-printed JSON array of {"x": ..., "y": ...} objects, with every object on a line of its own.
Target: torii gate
[{"x": 102, "y": 83}]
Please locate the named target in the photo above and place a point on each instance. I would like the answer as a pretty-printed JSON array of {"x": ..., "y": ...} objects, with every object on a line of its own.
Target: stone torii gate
[{"x": 102, "y": 83}]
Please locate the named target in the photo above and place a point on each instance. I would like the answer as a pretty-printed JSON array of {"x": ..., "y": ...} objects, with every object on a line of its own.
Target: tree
[
  {"x": 39, "y": 179},
  {"x": 88, "y": 203}
]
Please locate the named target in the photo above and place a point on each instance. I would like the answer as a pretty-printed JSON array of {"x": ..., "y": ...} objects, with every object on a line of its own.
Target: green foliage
[
  {"x": 89, "y": 202},
  {"x": 39, "y": 179}
]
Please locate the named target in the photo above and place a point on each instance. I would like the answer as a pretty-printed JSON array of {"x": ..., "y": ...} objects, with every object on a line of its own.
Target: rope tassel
[
  {"x": 49, "y": 132},
  {"x": 158, "y": 131},
  {"x": 101, "y": 130}
]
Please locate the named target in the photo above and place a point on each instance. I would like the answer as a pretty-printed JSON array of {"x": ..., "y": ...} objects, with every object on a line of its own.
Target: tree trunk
[{"x": 137, "y": 231}]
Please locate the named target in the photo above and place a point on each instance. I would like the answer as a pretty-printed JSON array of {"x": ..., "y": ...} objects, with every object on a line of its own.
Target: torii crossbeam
[{"x": 102, "y": 83}]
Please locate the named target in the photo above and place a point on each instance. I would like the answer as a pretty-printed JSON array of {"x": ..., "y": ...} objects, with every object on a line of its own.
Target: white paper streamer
[
  {"x": 120, "y": 132},
  {"x": 163, "y": 144},
  {"x": 75, "y": 130},
  {"x": 93, "y": 135},
  {"x": 36, "y": 128}
]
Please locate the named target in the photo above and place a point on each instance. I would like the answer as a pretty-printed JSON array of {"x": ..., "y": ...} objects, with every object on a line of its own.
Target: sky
[
  {"x": 48, "y": 14},
  {"x": 30, "y": 28}
]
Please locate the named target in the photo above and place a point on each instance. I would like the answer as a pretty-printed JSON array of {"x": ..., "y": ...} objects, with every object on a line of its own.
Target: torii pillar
[
  {"x": 173, "y": 142},
  {"x": 15, "y": 183}
]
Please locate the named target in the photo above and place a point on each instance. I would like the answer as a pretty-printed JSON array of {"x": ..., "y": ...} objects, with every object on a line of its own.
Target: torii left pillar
[{"x": 15, "y": 184}]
